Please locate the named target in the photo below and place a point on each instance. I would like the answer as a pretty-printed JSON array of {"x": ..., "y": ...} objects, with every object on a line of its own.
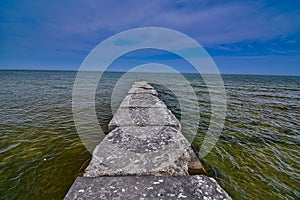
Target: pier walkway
[{"x": 144, "y": 156}]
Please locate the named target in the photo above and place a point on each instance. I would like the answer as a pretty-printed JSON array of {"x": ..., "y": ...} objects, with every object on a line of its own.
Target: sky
[{"x": 242, "y": 37}]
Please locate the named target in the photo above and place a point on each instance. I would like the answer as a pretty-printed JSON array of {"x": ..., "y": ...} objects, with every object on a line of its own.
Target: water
[{"x": 256, "y": 157}]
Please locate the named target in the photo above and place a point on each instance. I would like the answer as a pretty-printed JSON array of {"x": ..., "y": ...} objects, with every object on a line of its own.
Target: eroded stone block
[
  {"x": 142, "y": 100},
  {"x": 136, "y": 150},
  {"x": 143, "y": 117},
  {"x": 147, "y": 187}
]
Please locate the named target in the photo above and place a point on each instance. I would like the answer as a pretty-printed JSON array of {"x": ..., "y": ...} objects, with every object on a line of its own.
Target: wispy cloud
[{"x": 70, "y": 29}]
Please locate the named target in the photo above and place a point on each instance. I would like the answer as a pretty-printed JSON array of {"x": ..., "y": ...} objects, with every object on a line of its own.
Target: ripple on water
[{"x": 257, "y": 155}]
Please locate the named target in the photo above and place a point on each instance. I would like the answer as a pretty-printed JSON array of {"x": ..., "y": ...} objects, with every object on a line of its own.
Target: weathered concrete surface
[
  {"x": 145, "y": 139},
  {"x": 142, "y": 90},
  {"x": 145, "y": 116},
  {"x": 142, "y": 100},
  {"x": 141, "y": 107},
  {"x": 142, "y": 87},
  {"x": 147, "y": 187},
  {"x": 134, "y": 150}
]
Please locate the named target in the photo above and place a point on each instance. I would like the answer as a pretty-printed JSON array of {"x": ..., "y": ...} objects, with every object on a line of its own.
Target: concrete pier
[{"x": 144, "y": 156}]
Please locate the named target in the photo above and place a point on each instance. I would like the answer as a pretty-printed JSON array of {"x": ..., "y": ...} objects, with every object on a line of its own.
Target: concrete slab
[
  {"x": 143, "y": 117},
  {"x": 142, "y": 100},
  {"x": 144, "y": 139},
  {"x": 146, "y": 187},
  {"x": 142, "y": 84},
  {"x": 142, "y": 90},
  {"x": 133, "y": 150}
]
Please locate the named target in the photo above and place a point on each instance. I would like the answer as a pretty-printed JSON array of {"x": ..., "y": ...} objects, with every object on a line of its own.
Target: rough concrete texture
[
  {"x": 142, "y": 87},
  {"x": 144, "y": 139},
  {"x": 142, "y": 90},
  {"x": 145, "y": 116},
  {"x": 142, "y": 84},
  {"x": 147, "y": 187},
  {"x": 142, "y": 100},
  {"x": 134, "y": 150}
]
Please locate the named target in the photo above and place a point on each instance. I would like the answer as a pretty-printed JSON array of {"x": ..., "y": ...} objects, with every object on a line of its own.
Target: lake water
[{"x": 256, "y": 157}]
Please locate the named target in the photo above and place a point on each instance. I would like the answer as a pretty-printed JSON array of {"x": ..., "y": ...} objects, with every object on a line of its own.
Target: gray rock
[
  {"x": 145, "y": 139},
  {"x": 142, "y": 90},
  {"x": 133, "y": 150},
  {"x": 144, "y": 116},
  {"x": 147, "y": 187},
  {"x": 142, "y": 84},
  {"x": 142, "y": 100},
  {"x": 142, "y": 87}
]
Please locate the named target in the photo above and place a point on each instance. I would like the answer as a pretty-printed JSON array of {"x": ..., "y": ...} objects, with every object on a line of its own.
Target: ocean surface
[{"x": 256, "y": 157}]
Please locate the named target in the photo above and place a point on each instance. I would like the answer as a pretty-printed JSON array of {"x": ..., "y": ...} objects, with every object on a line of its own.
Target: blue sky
[{"x": 243, "y": 37}]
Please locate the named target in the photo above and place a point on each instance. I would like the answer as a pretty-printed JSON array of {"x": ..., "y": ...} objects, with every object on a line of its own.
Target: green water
[{"x": 256, "y": 157}]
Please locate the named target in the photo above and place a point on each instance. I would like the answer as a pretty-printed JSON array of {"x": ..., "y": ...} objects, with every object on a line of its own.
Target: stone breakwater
[{"x": 144, "y": 156}]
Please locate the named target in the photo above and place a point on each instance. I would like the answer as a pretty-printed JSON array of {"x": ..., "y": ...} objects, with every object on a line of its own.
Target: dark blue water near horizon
[{"x": 257, "y": 155}]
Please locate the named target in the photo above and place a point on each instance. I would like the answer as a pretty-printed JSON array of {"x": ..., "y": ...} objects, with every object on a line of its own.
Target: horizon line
[{"x": 73, "y": 70}]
